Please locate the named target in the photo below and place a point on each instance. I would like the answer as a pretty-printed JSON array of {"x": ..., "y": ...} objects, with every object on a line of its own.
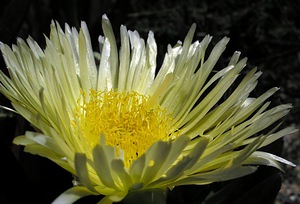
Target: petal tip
[{"x": 104, "y": 17}]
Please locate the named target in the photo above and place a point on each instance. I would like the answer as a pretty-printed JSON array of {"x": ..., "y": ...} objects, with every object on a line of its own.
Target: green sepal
[{"x": 149, "y": 196}]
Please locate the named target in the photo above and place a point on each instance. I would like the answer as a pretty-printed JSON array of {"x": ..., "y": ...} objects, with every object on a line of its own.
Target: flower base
[{"x": 151, "y": 196}]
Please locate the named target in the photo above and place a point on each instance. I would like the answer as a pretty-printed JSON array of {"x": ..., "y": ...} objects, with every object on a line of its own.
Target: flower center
[{"x": 126, "y": 119}]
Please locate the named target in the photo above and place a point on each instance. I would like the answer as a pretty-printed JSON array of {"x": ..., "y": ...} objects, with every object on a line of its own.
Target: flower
[{"x": 109, "y": 119}]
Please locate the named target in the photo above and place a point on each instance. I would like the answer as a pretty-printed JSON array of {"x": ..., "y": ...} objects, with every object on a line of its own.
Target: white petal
[
  {"x": 124, "y": 59},
  {"x": 113, "y": 59}
]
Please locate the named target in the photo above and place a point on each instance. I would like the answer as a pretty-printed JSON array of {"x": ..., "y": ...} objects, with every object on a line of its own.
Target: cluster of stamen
[{"x": 126, "y": 119}]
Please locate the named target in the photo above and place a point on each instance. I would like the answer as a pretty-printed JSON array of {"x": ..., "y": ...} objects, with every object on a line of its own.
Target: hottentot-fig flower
[{"x": 122, "y": 125}]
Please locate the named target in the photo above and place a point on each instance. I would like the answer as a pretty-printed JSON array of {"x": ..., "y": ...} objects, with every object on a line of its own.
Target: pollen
[{"x": 127, "y": 120}]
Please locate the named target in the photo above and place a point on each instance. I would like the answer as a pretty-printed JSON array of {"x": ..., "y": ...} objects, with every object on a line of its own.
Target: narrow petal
[
  {"x": 105, "y": 76},
  {"x": 148, "y": 73},
  {"x": 85, "y": 69},
  {"x": 185, "y": 49},
  {"x": 268, "y": 159},
  {"x": 211, "y": 99},
  {"x": 273, "y": 137},
  {"x": 113, "y": 59},
  {"x": 137, "y": 61},
  {"x": 73, "y": 194},
  {"x": 217, "y": 175},
  {"x": 124, "y": 58},
  {"x": 36, "y": 149}
]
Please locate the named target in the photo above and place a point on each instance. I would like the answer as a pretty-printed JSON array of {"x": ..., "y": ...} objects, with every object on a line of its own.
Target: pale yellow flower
[{"x": 109, "y": 119}]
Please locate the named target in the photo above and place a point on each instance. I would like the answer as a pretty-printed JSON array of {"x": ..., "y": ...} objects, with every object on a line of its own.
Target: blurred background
[{"x": 266, "y": 31}]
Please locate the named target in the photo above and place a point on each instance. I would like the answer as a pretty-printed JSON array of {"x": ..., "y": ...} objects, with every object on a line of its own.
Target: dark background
[{"x": 266, "y": 31}]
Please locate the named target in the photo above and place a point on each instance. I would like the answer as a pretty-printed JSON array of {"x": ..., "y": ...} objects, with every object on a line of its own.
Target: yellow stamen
[{"x": 126, "y": 119}]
